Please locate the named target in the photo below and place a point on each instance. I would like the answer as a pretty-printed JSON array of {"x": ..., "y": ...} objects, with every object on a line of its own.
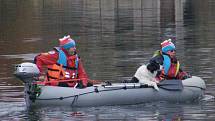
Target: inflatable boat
[{"x": 188, "y": 90}]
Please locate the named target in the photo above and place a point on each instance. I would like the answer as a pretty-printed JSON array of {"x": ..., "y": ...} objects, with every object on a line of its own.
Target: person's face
[
  {"x": 171, "y": 53},
  {"x": 71, "y": 51}
]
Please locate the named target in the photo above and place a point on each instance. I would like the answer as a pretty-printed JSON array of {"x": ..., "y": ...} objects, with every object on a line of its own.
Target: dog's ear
[
  {"x": 153, "y": 67},
  {"x": 150, "y": 68}
]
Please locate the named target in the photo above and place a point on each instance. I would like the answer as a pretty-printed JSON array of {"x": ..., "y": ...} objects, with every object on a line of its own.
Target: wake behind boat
[{"x": 188, "y": 90}]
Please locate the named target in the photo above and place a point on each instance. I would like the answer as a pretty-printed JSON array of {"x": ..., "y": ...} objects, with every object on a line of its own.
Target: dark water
[{"x": 114, "y": 37}]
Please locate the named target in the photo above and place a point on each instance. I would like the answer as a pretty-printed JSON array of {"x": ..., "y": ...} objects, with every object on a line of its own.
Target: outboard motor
[{"x": 26, "y": 71}]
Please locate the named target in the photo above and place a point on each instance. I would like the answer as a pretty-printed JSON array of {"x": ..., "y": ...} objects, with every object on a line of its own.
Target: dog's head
[{"x": 153, "y": 67}]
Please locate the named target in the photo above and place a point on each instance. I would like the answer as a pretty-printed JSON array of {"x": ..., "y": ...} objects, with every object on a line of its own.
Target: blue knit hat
[
  {"x": 167, "y": 45},
  {"x": 66, "y": 42}
]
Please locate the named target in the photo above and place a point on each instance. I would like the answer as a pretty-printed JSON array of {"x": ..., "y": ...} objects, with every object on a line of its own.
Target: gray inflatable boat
[{"x": 188, "y": 90}]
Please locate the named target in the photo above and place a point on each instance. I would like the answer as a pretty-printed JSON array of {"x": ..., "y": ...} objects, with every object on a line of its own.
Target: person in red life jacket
[
  {"x": 63, "y": 63},
  {"x": 166, "y": 58}
]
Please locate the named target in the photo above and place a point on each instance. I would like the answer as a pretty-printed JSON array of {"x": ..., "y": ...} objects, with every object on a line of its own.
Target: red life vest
[
  {"x": 59, "y": 72},
  {"x": 55, "y": 72},
  {"x": 172, "y": 72}
]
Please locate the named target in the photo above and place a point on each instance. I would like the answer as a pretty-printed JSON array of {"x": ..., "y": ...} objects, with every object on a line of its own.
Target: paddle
[{"x": 173, "y": 85}]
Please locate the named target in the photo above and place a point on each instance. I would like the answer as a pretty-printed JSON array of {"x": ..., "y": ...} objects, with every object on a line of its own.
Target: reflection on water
[
  {"x": 149, "y": 111},
  {"x": 113, "y": 37}
]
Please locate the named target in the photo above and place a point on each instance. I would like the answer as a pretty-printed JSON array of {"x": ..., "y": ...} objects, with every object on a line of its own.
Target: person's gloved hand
[
  {"x": 184, "y": 75},
  {"x": 154, "y": 84},
  {"x": 80, "y": 84},
  {"x": 40, "y": 78}
]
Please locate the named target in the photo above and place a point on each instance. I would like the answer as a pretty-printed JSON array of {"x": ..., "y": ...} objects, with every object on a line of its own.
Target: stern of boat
[{"x": 27, "y": 72}]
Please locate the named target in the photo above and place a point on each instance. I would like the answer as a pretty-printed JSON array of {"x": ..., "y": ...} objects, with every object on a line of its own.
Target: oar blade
[{"x": 174, "y": 85}]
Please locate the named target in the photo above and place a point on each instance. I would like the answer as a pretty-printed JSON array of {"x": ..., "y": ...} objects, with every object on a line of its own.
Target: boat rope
[
  {"x": 76, "y": 96},
  {"x": 74, "y": 100}
]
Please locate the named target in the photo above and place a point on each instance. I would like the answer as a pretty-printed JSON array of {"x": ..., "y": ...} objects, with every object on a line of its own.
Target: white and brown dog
[{"x": 147, "y": 77}]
